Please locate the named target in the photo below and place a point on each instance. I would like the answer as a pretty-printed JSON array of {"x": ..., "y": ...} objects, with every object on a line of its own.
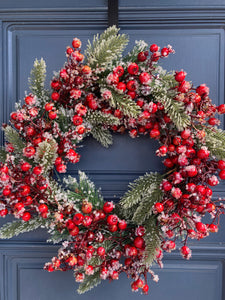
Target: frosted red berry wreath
[{"x": 110, "y": 93}]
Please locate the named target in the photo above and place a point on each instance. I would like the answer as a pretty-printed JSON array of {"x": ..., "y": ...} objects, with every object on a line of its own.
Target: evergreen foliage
[
  {"x": 84, "y": 189},
  {"x": 13, "y": 137},
  {"x": 15, "y": 228},
  {"x": 37, "y": 78},
  {"x": 46, "y": 154},
  {"x": 89, "y": 282},
  {"x": 3, "y": 155},
  {"x": 215, "y": 142},
  {"x": 102, "y": 135},
  {"x": 98, "y": 117},
  {"x": 162, "y": 92},
  {"x": 139, "y": 188},
  {"x": 132, "y": 55},
  {"x": 123, "y": 103},
  {"x": 152, "y": 241},
  {"x": 106, "y": 47}
]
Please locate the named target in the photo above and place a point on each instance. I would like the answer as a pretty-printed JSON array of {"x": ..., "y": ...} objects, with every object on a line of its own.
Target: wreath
[{"x": 102, "y": 94}]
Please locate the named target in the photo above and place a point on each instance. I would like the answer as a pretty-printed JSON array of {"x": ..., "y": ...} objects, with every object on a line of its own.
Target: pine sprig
[
  {"x": 15, "y": 228},
  {"x": 89, "y": 282},
  {"x": 162, "y": 92},
  {"x": 98, "y": 117},
  {"x": 106, "y": 47},
  {"x": 122, "y": 102},
  {"x": 138, "y": 188},
  {"x": 132, "y": 55},
  {"x": 215, "y": 142},
  {"x": 152, "y": 241},
  {"x": 144, "y": 209},
  {"x": 3, "y": 155},
  {"x": 46, "y": 154},
  {"x": 37, "y": 78},
  {"x": 84, "y": 189},
  {"x": 13, "y": 137},
  {"x": 102, "y": 135}
]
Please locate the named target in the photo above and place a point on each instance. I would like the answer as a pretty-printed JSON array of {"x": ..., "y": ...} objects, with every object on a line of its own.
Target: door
[{"x": 34, "y": 29}]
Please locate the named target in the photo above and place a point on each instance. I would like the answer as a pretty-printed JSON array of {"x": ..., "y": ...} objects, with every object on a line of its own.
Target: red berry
[
  {"x": 122, "y": 225},
  {"x": 87, "y": 221},
  {"x": 139, "y": 242},
  {"x": 213, "y": 228},
  {"x": 26, "y": 216},
  {"x": 101, "y": 251},
  {"x": 133, "y": 69},
  {"x": 43, "y": 208},
  {"x": 132, "y": 85},
  {"x": 61, "y": 168},
  {"x": 202, "y": 90},
  {"x": 112, "y": 219},
  {"x": 78, "y": 219},
  {"x": 222, "y": 174},
  {"x": 70, "y": 224},
  {"x": 221, "y": 164},
  {"x": 165, "y": 51},
  {"x": 74, "y": 231},
  {"x": 108, "y": 207},
  {"x": 29, "y": 151},
  {"x": 180, "y": 76},
  {"x": 203, "y": 153},
  {"x": 200, "y": 227},
  {"x": 92, "y": 104},
  {"x": 69, "y": 50},
  {"x": 77, "y": 120},
  {"x": 185, "y": 251},
  {"x": 141, "y": 56},
  {"x": 159, "y": 207},
  {"x": 154, "y": 48},
  {"x": 121, "y": 86},
  {"x": 145, "y": 78},
  {"x": 76, "y": 43},
  {"x": 154, "y": 133},
  {"x": 191, "y": 171},
  {"x": 86, "y": 207},
  {"x": 213, "y": 180},
  {"x": 30, "y": 100},
  {"x": 19, "y": 206},
  {"x": 25, "y": 167},
  {"x": 119, "y": 71},
  {"x": 3, "y": 212},
  {"x": 25, "y": 190},
  {"x": 145, "y": 289},
  {"x": 113, "y": 228},
  {"x": 184, "y": 86},
  {"x": 55, "y": 96},
  {"x": 37, "y": 170},
  {"x": 52, "y": 115},
  {"x": 6, "y": 192},
  {"x": 221, "y": 109},
  {"x": 166, "y": 186}
]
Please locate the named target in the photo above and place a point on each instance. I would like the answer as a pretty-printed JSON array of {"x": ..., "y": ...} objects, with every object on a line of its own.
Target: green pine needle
[
  {"x": 98, "y": 117},
  {"x": 152, "y": 241},
  {"x": 138, "y": 188},
  {"x": 102, "y": 135},
  {"x": 132, "y": 55},
  {"x": 15, "y": 228},
  {"x": 46, "y": 154},
  {"x": 215, "y": 142},
  {"x": 13, "y": 137},
  {"x": 106, "y": 47},
  {"x": 37, "y": 78},
  {"x": 3, "y": 155},
  {"x": 89, "y": 282}
]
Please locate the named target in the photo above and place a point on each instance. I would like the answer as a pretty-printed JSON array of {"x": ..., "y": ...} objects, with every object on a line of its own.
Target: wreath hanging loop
[{"x": 96, "y": 94}]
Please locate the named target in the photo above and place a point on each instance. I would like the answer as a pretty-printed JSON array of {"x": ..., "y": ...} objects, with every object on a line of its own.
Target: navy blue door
[{"x": 30, "y": 29}]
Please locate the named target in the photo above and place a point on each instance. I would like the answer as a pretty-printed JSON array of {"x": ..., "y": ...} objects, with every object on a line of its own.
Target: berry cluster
[{"x": 103, "y": 243}]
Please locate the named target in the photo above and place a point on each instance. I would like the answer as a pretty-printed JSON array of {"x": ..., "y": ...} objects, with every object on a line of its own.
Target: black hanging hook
[{"x": 113, "y": 12}]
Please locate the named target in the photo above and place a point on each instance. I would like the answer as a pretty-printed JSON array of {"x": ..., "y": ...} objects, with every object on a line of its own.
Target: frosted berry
[
  {"x": 26, "y": 216},
  {"x": 133, "y": 69},
  {"x": 202, "y": 90},
  {"x": 154, "y": 48},
  {"x": 165, "y": 51},
  {"x": 145, "y": 78},
  {"x": 25, "y": 167},
  {"x": 122, "y": 225},
  {"x": 221, "y": 109},
  {"x": 86, "y": 207},
  {"x": 200, "y": 227},
  {"x": 101, "y": 251},
  {"x": 112, "y": 219},
  {"x": 78, "y": 219},
  {"x": 180, "y": 76},
  {"x": 108, "y": 207}
]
